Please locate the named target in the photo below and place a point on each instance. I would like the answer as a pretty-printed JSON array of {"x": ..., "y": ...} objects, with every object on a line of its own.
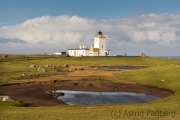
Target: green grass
[{"x": 149, "y": 76}]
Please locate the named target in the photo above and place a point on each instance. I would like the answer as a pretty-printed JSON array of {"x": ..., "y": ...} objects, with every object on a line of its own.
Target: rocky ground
[{"x": 39, "y": 93}]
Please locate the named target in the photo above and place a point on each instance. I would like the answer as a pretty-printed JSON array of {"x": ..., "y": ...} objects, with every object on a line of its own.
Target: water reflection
[{"x": 99, "y": 98}]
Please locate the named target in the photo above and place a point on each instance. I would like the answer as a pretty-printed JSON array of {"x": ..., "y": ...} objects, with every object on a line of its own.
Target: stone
[
  {"x": 75, "y": 83},
  {"x": 46, "y": 65},
  {"x": 81, "y": 68},
  {"x": 32, "y": 65},
  {"x": 4, "y": 55},
  {"x": 5, "y": 98},
  {"x": 41, "y": 69},
  {"x": 54, "y": 81},
  {"x": 66, "y": 65},
  {"x": 90, "y": 84},
  {"x": 60, "y": 93},
  {"x": 24, "y": 75}
]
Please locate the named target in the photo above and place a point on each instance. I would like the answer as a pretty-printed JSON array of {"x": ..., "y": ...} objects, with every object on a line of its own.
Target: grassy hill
[{"x": 164, "y": 73}]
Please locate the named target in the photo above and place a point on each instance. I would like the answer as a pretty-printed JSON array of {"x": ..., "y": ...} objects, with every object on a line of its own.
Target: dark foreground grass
[{"x": 163, "y": 73}]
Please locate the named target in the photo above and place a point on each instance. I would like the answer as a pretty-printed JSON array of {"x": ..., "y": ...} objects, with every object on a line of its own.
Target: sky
[{"x": 130, "y": 26}]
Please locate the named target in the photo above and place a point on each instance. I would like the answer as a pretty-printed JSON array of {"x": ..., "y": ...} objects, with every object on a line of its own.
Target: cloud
[
  {"x": 148, "y": 42},
  {"x": 63, "y": 32},
  {"x": 14, "y": 40}
]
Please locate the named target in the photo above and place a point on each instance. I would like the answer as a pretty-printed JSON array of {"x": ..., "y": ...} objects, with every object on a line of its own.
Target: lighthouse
[
  {"x": 100, "y": 43},
  {"x": 96, "y": 49}
]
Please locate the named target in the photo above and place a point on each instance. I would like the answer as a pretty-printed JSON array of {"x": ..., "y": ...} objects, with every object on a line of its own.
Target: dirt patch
[{"x": 38, "y": 93}]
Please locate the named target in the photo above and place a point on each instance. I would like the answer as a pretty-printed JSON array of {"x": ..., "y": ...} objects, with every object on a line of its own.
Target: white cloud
[{"x": 63, "y": 32}]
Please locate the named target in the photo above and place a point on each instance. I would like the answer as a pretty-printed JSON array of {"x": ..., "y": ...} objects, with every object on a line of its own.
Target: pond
[
  {"x": 99, "y": 98},
  {"x": 122, "y": 67}
]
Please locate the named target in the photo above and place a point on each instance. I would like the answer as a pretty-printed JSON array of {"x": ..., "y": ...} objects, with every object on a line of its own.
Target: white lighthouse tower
[{"x": 100, "y": 43}]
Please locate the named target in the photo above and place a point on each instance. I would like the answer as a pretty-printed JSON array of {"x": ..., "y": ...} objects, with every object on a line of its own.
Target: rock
[
  {"x": 32, "y": 65},
  {"x": 60, "y": 94},
  {"x": 46, "y": 65},
  {"x": 4, "y": 55},
  {"x": 81, "y": 68},
  {"x": 56, "y": 94},
  {"x": 24, "y": 75},
  {"x": 54, "y": 81},
  {"x": 66, "y": 65},
  {"x": 41, "y": 69},
  {"x": 115, "y": 88},
  {"x": 90, "y": 84},
  {"x": 75, "y": 83},
  {"x": 5, "y": 98}
]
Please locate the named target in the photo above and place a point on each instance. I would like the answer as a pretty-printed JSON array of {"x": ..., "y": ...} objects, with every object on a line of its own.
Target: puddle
[
  {"x": 121, "y": 67},
  {"x": 99, "y": 98}
]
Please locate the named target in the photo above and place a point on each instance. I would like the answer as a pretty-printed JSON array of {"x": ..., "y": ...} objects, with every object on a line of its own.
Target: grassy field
[{"x": 163, "y": 73}]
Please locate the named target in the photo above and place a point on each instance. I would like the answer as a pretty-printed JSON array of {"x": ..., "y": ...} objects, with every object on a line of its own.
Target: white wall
[
  {"x": 58, "y": 53},
  {"x": 78, "y": 52},
  {"x": 102, "y": 52},
  {"x": 93, "y": 53},
  {"x": 101, "y": 44},
  {"x": 86, "y": 53}
]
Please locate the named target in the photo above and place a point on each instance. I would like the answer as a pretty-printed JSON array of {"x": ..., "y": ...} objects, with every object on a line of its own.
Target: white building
[
  {"x": 60, "y": 53},
  {"x": 96, "y": 49},
  {"x": 81, "y": 51}
]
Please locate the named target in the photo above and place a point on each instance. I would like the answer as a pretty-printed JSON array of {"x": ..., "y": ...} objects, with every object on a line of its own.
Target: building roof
[{"x": 94, "y": 49}]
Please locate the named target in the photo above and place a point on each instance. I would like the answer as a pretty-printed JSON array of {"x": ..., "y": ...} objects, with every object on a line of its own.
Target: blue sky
[
  {"x": 16, "y": 11},
  {"x": 105, "y": 14}
]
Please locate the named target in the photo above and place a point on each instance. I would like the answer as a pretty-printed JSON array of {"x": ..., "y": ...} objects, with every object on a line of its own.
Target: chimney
[
  {"x": 80, "y": 46},
  {"x": 92, "y": 46},
  {"x": 84, "y": 46}
]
